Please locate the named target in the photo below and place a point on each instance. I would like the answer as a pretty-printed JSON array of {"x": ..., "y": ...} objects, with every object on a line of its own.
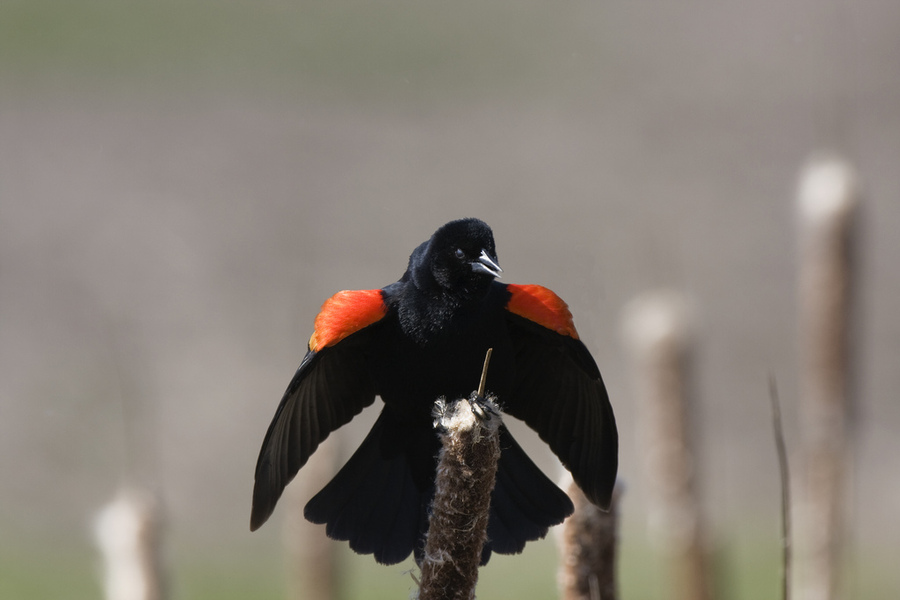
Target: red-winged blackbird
[{"x": 412, "y": 342}]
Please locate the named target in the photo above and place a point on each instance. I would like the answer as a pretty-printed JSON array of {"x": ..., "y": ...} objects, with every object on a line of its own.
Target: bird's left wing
[
  {"x": 330, "y": 387},
  {"x": 558, "y": 390}
]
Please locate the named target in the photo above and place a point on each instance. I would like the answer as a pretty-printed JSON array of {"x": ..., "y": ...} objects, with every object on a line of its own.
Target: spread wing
[
  {"x": 559, "y": 392},
  {"x": 330, "y": 387}
]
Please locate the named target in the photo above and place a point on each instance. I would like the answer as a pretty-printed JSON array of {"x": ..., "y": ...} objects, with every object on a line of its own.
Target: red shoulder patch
[
  {"x": 344, "y": 313},
  {"x": 539, "y": 304}
]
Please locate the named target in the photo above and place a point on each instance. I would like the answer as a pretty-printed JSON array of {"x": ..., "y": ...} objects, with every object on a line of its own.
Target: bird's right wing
[
  {"x": 331, "y": 386},
  {"x": 559, "y": 391}
]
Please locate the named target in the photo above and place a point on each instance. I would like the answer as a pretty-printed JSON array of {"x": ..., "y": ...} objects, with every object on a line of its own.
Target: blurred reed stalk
[
  {"x": 313, "y": 565},
  {"x": 466, "y": 472},
  {"x": 128, "y": 532},
  {"x": 657, "y": 329},
  {"x": 784, "y": 472},
  {"x": 828, "y": 206},
  {"x": 587, "y": 548}
]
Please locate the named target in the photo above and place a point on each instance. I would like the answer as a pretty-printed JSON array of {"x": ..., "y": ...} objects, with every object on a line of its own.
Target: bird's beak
[{"x": 487, "y": 265}]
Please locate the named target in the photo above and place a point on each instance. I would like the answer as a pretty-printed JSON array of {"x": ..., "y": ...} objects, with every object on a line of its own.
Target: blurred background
[{"x": 183, "y": 183}]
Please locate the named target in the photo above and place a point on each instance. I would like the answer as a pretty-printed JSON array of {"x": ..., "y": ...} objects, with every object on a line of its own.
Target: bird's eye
[{"x": 460, "y": 254}]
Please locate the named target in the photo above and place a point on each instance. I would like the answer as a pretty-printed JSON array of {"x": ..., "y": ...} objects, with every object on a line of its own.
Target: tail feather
[
  {"x": 525, "y": 502},
  {"x": 373, "y": 502},
  {"x": 380, "y": 500}
]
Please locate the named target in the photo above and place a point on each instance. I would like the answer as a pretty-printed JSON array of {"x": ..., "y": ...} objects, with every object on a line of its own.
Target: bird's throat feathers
[{"x": 426, "y": 317}]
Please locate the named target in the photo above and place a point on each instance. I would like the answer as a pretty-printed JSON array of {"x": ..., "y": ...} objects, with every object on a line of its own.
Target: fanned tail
[
  {"x": 377, "y": 501},
  {"x": 380, "y": 500}
]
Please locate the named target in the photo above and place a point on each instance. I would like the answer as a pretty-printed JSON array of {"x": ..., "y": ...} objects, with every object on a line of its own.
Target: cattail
[
  {"x": 127, "y": 531},
  {"x": 313, "y": 563},
  {"x": 588, "y": 544},
  {"x": 828, "y": 205},
  {"x": 466, "y": 471},
  {"x": 658, "y": 329}
]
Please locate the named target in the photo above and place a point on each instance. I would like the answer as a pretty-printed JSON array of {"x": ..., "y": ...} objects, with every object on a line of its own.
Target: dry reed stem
[
  {"x": 313, "y": 564},
  {"x": 781, "y": 450},
  {"x": 828, "y": 204},
  {"x": 588, "y": 549},
  {"x": 658, "y": 329},
  {"x": 128, "y": 533}
]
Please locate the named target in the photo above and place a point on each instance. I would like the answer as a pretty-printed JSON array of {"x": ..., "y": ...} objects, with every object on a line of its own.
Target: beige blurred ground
[{"x": 163, "y": 251}]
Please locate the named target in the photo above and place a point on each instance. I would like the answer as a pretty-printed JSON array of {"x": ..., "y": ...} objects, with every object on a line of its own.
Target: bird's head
[{"x": 460, "y": 258}]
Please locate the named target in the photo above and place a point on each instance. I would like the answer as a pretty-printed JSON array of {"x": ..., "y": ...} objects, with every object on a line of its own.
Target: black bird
[{"x": 416, "y": 340}]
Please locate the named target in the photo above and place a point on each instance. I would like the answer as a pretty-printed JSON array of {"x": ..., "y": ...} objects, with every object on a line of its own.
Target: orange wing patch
[
  {"x": 539, "y": 304},
  {"x": 344, "y": 313}
]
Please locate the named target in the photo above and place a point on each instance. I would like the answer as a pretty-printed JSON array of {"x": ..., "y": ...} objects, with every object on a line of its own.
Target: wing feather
[
  {"x": 558, "y": 392},
  {"x": 330, "y": 387}
]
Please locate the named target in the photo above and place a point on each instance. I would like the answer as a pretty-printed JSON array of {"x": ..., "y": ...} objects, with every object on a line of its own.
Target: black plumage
[{"x": 416, "y": 340}]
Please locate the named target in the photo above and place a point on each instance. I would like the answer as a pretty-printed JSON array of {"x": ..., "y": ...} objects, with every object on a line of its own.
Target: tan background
[{"x": 183, "y": 184}]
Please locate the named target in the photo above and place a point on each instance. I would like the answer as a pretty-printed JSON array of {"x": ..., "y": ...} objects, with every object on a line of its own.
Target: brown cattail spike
[
  {"x": 829, "y": 205},
  {"x": 588, "y": 544},
  {"x": 466, "y": 471}
]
